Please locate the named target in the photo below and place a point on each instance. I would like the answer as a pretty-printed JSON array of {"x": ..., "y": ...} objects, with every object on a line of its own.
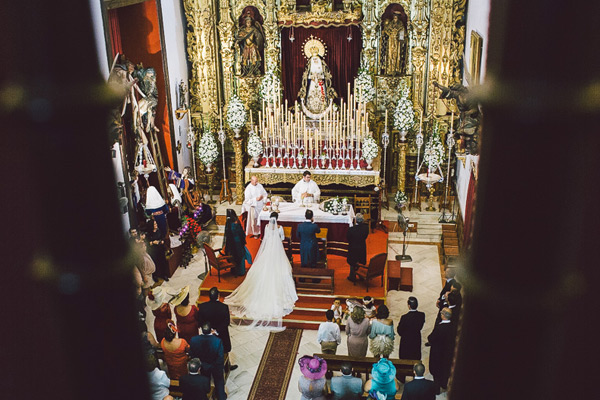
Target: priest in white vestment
[
  {"x": 306, "y": 190},
  {"x": 254, "y": 200}
]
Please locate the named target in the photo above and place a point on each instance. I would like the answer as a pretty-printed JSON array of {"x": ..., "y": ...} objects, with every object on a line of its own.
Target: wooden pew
[
  {"x": 364, "y": 365},
  {"x": 313, "y": 273}
]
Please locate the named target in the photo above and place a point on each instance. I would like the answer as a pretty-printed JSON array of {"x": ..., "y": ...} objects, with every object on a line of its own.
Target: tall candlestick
[
  {"x": 386, "y": 115},
  {"x": 451, "y": 122},
  {"x": 221, "y": 118},
  {"x": 421, "y": 123}
]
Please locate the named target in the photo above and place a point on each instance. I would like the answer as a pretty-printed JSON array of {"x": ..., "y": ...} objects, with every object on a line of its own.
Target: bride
[{"x": 268, "y": 293}]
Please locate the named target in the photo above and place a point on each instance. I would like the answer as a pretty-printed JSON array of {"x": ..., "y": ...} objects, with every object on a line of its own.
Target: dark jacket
[
  {"x": 357, "y": 244},
  {"x": 217, "y": 314},
  {"x": 442, "y": 350},
  {"x": 409, "y": 330},
  {"x": 194, "y": 387},
  {"x": 309, "y": 247},
  {"x": 420, "y": 389},
  {"x": 209, "y": 349}
]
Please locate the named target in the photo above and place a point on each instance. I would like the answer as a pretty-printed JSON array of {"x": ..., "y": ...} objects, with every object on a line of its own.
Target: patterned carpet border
[{"x": 276, "y": 365}]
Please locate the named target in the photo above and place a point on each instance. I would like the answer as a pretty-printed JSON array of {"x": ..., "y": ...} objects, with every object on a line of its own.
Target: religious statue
[
  {"x": 250, "y": 38},
  {"x": 393, "y": 34},
  {"x": 147, "y": 105},
  {"x": 470, "y": 116},
  {"x": 317, "y": 92}
]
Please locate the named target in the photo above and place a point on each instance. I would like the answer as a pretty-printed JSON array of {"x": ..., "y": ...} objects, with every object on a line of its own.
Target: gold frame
[{"x": 475, "y": 58}]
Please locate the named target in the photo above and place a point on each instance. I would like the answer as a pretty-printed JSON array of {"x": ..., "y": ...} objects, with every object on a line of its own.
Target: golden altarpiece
[{"x": 223, "y": 58}]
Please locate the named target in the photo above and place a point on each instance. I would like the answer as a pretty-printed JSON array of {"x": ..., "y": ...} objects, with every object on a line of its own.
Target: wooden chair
[
  {"x": 363, "y": 205},
  {"x": 287, "y": 233},
  {"x": 322, "y": 238},
  {"x": 376, "y": 268},
  {"x": 219, "y": 263}
]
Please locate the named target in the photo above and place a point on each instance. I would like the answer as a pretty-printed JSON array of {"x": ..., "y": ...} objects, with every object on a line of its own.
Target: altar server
[
  {"x": 254, "y": 200},
  {"x": 306, "y": 190}
]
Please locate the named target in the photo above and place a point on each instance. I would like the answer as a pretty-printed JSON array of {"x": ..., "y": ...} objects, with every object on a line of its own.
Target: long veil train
[{"x": 268, "y": 293}]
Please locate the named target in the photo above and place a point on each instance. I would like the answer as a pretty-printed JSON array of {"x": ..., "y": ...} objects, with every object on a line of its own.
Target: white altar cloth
[{"x": 291, "y": 212}]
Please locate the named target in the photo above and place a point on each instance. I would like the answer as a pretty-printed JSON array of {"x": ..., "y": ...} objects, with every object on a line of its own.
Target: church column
[
  {"x": 239, "y": 170},
  {"x": 403, "y": 145}
]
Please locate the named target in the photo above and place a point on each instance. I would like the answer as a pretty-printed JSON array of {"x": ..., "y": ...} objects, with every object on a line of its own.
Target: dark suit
[
  {"x": 194, "y": 387},
  {"x": 420, "y": 389},
  {"x": 447, "y": 287},
  {"x": 357, "y": 246},
  {"x": 309, "y": 247},
  {"x": 209, "y": 349},
  {"x": 442, "y": 352},
  {"x": 217, "y": 314},
  {"x": 409, "y": 330}
]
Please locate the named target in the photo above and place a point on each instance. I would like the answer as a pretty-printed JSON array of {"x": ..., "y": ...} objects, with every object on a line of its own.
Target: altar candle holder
[
  {"x": 350, "y": 150},
  {"x": 317, "y": 158},
  {"x": 330, "y": 156},
  {"x": 337, "y": 161},
  {"x": 286, "y": 156},
  {"x": 268, "y": 154},
  {"x": 357, "y": 156}
]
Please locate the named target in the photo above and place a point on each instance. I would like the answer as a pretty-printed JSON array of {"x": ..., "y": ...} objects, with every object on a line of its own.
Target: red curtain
[
  {"x": 342, "y": 57},
  {"x": 469, "y": 211},
  {"x": 115, "y": 33}
]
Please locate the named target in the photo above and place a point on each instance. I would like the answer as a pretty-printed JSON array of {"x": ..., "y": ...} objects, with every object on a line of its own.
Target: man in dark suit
[
  {"x": 194, "y": 386},
  {"x": 209, "y": 349},
  {"x": 409, "y": 330},
  {"x": 357, "y": 245},
  {"x": 449, "y": 274},
  {"x": 452, "y": 300},
  {"x": 217, "y": 314},
  {"x": 442, "y": 349},
  {"x": 420, "y": 388},
  {"x": 309, "y": 247}
]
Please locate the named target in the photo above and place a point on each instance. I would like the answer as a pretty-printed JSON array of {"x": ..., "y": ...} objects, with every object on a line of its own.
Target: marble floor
[{"x": 248, "y": 345}]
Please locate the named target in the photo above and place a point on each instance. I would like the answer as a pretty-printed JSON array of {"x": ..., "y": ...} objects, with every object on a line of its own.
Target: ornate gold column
[
  {"x": 226, "y": 29},
  {"x": 239, "y": 170},
  {"x": 403, "y": 145},
  {"x": 419, "y": 25}
]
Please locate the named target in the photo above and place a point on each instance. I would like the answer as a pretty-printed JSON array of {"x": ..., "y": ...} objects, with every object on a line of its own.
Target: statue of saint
[
  {"x": 316, "y": 92},
  {"x": 393, "y": 33},
  {"x": 250, "y": 38}
]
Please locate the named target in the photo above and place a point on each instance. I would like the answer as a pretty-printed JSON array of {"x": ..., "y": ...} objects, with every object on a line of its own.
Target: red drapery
[
  {"x": 115, "y": 33},
  {"x": 469, "y": 211},
  {"x": 343, "y": 57}
]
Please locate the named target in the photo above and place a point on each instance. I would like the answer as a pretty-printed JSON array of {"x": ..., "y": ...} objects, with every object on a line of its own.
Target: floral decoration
[
  {"x": 269, "y": 86},
  {"x": 370, "y": 149},
  {"x": 364, "y": 85},
  {"x": 400, "y": 197},
  {"x": 255, "y": 146},
  {"x": 334, "y": 205},
  {"x": 208, "y": 151},
  {"x": 404, "y": 114},
  {"x": 434, "y": 149},
  {"x": 236, "y": 113}
]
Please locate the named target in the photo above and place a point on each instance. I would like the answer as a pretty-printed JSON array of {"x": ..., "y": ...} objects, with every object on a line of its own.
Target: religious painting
[
  {"x": 251, "y": 38},
  {"x": 475, "y": 59},
  {"x": 394, "y": 39}
]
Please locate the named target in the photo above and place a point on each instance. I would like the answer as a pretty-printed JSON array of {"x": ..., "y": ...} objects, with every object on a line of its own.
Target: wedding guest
[
  {"x": 312, "y": 382},
  {"x": 157, "y": 300},
  {"x": 194, "y": 386},
  {"x": 382, "y": 333},
  {"x": 338, "y": 311},
  {"x": 186, "y": 314},
  {"x": 357, "y": 245},
  {"x": 419, "y": 388},
  {"x": 309, "y": 247},
  {"x": 384, "y": 379},
  {"x": 209, "y": 349},
  {"x": 158, "y": 380},
  {"x": 328, "y": 335},
  {"x": 409, "y": 330},
  {"x": 357, "y": 331},
  {"x": 369, "y": 307},
  {"x": 156, "y": 250},
  {"x": 442, "y": 340},
  {"x": 346, "y": 387},
  {"x": 175, "y": 350},
  {"x": 235, "y": 243}
]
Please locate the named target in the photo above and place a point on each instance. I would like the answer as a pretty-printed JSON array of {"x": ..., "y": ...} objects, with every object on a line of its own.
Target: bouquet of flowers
[
  {"x": 369, "y": 148},
  {"x": 434, "y": 150},
  {"x": 333, "y": 205},
  {"x": 364, "y": 85},
  {"x": 208, "y": 151},
  {"x": 189, "y": 231},
  {"x": 236, "y": 113},
  {"x": 255, "y": 146},
  {"x": 400, "y": 197},
  {"x": 404, "y": 114},
  {"x": 269, "y": 87}
]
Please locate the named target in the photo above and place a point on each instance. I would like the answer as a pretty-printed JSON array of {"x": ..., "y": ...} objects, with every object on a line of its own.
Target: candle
[
  {"x": 251, "y": 119},
  {"x": 421, "y": 123},
  {"x": 386, "y": 115},
  {"x": 451, "y": 122},
  {"x": 221, "y": 118}
]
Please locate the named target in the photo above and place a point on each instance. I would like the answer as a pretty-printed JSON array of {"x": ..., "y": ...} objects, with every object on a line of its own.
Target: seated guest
[
  {"x": 186, "y": 314},
  {"x": 346, "y": 387},
  {"x": 357, "y": 333},
  {"x": 175, "y": 350},
  {"x": 194, "y": 386},
  {"x": 382, "y": 333},
  {"x": 338, "y": 311},
  {"x": 158, "y": 380},
  {"x": 312, "y": 382},
  {"x": 328, "y": 335},
  {"x": 420, "y": 388},
  {"x": 369, "y": 307},
  {"x": 384, "y": 379},
  {"x": 161, "y": 310}
]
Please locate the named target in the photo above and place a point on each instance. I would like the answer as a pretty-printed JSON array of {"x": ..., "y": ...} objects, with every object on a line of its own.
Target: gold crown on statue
[{"x": 313, "y": 45}]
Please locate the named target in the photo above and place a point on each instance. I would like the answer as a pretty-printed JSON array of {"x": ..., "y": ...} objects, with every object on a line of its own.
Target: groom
[{"x": 309, "y": 247}]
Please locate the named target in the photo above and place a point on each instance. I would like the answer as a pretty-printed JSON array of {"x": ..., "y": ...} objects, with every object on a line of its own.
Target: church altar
[
  {"x": 291, "y": 214},
  {"x": 274, "y": 175}
]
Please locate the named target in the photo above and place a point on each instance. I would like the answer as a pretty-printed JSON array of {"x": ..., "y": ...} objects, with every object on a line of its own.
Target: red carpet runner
[{"x": 275, "y": 368}]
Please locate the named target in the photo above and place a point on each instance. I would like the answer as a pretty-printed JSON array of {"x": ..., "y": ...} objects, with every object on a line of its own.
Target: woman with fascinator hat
[
  {"x": 160, "y": 309},
  {"x": 268, "y": 293},
  {"x": 186, "y": 314},
  {"x": 383, "y": 379},
  {"x": 312, "y": 382},
  {"x": 175, "y": 350}
]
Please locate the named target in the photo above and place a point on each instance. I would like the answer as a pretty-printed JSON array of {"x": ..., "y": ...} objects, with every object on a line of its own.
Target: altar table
[{"x": 291, "y": 214}]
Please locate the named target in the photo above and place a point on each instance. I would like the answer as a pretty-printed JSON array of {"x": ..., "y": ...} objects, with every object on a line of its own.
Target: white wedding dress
[{"x": 268, "y": 293}]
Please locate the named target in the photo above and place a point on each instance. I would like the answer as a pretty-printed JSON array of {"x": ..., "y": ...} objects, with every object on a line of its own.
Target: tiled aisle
[{"x": 248, "y": 345}]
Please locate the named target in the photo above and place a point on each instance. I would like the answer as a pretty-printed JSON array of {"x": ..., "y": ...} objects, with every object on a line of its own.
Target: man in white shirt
[
  {"x": 306, "y": 190},
  {"x": 254, "y": 200},
  {"x": 329, "y": 336}
]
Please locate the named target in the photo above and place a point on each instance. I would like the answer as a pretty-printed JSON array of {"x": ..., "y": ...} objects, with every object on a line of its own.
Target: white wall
[
  {"x": 174, "y": 47},
  {"x": 478, "y": 20}
]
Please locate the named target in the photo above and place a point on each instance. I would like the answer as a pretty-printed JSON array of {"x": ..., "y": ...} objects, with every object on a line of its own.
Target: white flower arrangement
[
  {"x": 400, "y": 197},
  {"x": 364, "y": 85},
  {"x": 236, "y": 113},
  {"x": 255, "y": 146},
  {"x": 404, "y": 114},
  {"x": 333, "y": 205},
  {"x": 208, "y": 151},
  {"x": 434, "y": 149},
  {"x": 369, "y": 148},
  {"x": 269, "y": 87}
]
